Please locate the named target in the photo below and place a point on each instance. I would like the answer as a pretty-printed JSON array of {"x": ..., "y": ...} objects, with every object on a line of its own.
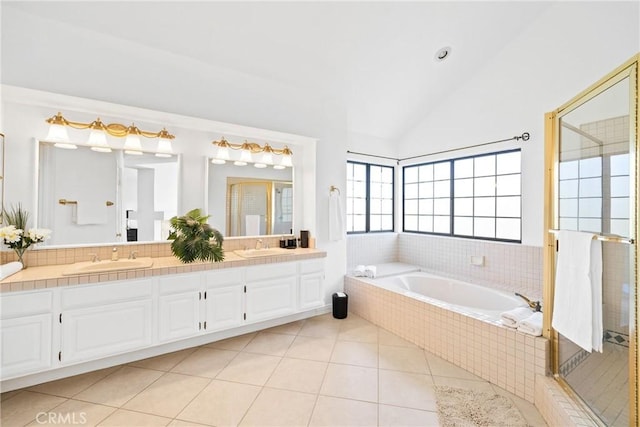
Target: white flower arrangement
[{"x": 14, "y": 235}]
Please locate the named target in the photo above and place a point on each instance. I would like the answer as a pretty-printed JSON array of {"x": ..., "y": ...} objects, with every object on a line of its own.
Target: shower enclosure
[{"x": 592, "y": 185}]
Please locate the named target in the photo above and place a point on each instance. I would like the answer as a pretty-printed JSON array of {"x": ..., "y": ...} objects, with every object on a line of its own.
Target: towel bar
[
  {"x": 613, "y": 239},
  {"x": 75, "y": 202}
]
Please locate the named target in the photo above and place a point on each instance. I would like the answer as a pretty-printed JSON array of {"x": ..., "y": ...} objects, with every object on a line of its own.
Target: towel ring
[{"x": 334, "y": 188}]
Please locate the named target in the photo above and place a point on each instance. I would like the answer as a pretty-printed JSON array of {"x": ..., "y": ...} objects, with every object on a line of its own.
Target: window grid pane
[
  {"x": 370, "y": 197},
  {"x": 486, "y": 195}
]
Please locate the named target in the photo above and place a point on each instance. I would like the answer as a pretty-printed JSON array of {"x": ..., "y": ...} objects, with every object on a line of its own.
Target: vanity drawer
[
  {"x": 25, "y": 303},
  {"x": 312, "y": 266},
  {"x": 271, "y": 271},
  {"x": 105, "y": 293}
]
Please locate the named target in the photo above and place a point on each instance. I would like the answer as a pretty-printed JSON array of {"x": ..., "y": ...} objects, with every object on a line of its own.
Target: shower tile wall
[{"x": 511, "y": 267}]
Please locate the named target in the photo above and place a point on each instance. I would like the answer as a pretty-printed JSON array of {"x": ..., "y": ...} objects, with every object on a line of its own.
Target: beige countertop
[{"x": 49, "y": 276}]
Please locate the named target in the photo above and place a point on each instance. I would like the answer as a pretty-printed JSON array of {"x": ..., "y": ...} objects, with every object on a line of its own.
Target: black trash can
[{"x": 340, "y": 303}]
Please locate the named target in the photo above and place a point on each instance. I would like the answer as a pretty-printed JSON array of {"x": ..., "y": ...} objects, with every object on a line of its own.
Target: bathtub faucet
[{"x": 533, "y": 304}]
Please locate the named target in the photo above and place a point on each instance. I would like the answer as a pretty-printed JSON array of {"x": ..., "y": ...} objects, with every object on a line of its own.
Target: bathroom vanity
[{"x": 60, "y": 331}]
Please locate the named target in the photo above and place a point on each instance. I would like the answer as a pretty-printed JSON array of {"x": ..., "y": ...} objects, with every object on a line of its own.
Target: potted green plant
[{"x": 194, "y": 239}]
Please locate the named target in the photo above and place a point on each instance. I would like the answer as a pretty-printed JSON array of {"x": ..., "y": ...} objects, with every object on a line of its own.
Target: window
[
  {"x": 475, "y": 196},
  {"x": 369, "y": 198}
]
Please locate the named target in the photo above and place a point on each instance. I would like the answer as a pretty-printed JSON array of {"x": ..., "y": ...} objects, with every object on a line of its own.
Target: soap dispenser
[{"x": 114, "y": 254}]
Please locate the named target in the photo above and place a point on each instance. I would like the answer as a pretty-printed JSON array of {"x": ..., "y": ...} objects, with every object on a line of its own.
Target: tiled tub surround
[
  {"x": 46, "y": 269},
  {"x": 503, "y": 356},
  {"x": 507, "y": 266}
]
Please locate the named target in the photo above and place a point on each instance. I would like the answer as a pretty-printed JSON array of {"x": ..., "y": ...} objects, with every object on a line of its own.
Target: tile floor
[{"x": 316, "y": 372}]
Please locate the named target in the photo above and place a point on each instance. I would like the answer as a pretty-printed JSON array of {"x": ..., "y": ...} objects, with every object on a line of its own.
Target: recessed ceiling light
[{"x": 442, "y": 53}]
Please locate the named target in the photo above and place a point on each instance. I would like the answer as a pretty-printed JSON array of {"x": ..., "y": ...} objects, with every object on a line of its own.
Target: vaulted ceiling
[{"x": 375, "y": 59}]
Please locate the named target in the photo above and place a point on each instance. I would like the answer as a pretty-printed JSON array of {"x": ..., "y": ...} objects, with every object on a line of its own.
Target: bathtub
[{"x": 466, "y": 298}]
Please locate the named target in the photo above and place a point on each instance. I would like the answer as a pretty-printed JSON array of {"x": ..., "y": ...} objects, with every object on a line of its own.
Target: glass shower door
[{"x": 595, "y": 193}]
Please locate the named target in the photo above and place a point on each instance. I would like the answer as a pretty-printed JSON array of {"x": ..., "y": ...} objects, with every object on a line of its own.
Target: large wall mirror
[
  {"x": 248, "y": 201},
  {"x": 91, "y": 197}
]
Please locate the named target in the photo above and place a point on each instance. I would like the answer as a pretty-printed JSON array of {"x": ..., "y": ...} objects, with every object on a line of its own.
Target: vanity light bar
[
  {"x": 249, "y": 148},
  {"x": 58, "y": 134}
]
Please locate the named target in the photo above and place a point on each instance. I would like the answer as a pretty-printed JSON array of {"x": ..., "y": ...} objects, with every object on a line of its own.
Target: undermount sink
[
  {"x": 253, "y": 253},
  {"x": 89, "y": 267}
]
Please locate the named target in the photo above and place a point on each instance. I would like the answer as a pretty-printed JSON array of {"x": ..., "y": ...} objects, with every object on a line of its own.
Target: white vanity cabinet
[
  {"x": 179, "y": 302},
  {"x": 270, "y": 291},
  {"x": 223, "y": 299},
  {"x": 311, "y": 287},
  {"x": 104, "y": 319},
  {"x": 26, "y": 330}
]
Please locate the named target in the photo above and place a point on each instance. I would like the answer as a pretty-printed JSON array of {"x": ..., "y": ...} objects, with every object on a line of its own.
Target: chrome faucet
[
  {"x": 94, "y": 257},
  {"x": 133, "y": 255},
  {"x": 259, "y": 244},
  {"x": 533, "y": 304}
]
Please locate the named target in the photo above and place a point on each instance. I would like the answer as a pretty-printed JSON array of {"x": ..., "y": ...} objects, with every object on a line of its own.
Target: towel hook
[{"x": 334, "y": 188}]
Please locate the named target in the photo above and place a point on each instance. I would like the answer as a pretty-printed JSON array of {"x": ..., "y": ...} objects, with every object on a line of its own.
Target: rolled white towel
[
  {"x": 10, "y": 268},
  {"x": 532, "y": 325},
  {"x": 512, "y": 317},
  {"x": 371, "y": 271},
  {"x": 359, "y": 271}
]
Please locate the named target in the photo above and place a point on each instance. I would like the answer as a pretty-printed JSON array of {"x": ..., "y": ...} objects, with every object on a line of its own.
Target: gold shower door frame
[{"x": 551, "y": 209}]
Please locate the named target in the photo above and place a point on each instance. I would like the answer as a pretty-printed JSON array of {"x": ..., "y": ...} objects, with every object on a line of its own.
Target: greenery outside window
[
  {"x": 477, "y": 197},
  {"x": 369, "y": 198}
]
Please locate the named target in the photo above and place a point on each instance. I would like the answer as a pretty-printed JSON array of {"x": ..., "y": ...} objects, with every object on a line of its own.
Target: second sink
[
  {"x": 253, "y": 253},
  {"x": 89, "y": 267}
]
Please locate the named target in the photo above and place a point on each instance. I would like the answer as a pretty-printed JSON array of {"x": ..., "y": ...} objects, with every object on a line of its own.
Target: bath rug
[{"x": 468, "y": 408}]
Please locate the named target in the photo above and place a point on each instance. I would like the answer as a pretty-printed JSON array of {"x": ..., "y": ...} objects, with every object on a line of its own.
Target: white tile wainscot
[
  {"x": 503, "y": 356},
  {"x": 53, "y": 333}
]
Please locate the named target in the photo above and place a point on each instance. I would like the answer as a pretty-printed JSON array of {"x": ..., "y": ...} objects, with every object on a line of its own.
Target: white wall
[{"x": 566, "y": 49}]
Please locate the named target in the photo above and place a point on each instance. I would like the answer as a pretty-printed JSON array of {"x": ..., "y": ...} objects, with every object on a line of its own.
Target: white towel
[
  {"x": 9, "y": 268},
  {"x": 90, "y": 212},
  {"x": 514, "y": 316},
  {"x": 359, "y": 271},
  {"x": 336, "y": 220},
  {"x": 577, "y": 303},
  {"x": 532, "y": 325},
  {"x": 252, "y": 225},
  {"x": 370, "y": 271}
]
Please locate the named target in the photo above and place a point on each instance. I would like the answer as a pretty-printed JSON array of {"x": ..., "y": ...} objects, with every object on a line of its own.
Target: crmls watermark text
[{"x": 74, "y": 418}]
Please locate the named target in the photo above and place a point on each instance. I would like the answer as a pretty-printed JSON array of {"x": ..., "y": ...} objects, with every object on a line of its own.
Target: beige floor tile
[
  {"x": 406, "y": 359},
  {"x": 74, "y": 413},
  {"x": 321, "y": 326},
  {"x": 280, "y": 408},
  {"x": 23, "y": 408},
  {"x": 298, "y": 375},
  {"x": 288, "y": 328},
  {"x": 235, "y": 343},
  {"x": 221, "y": 403},
  {"x": 250, "y": 368},
  {"x": 442, "y": 368},
  {"x": 335, "y": 412},
  {"x": 351, "y": 382},
  {"x": 364, "y": 332},
  {"x": 311, "y": 348},
  {"x": 9, "y": 394},
  {"x": 407, "y": 390},
  {"x": 169, "y": 395},
  {"x": 122, "y": 418},
  {"x": 69, "y": 387},
  {"x": 269, "y": 343},
  {"x": 355, "y": 353},
  {"x": 116, "y": 389},
  {"x": 393, "y": 416},
  {"x": 388, "y": 338},
  {"x": 166, "y": 362},
  {"x": 181, "y": 423},
  {"x": 205, "y": 362}
]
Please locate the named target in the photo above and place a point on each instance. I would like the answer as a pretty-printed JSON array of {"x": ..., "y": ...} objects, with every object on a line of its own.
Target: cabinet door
[
  {"x": 26, "y": 345},
  {"x": 94, "y": 332},
  {"x": 179, "y": 315},
  {"x": 270, "y": 298},
  {"x": 311, "y": 291},
  {"x": 223, "y": 307}
]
